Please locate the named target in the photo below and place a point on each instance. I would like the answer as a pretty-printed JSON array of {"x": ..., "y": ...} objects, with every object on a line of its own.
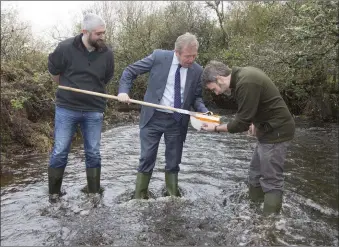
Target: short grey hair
[
  {"x": 92, "y": 21},
  {"x": 186, "y": 39},
  {"x": 213, "y": 69}
]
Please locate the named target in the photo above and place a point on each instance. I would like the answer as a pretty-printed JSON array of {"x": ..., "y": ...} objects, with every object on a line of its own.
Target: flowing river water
[{"x": 214, "y": 209}]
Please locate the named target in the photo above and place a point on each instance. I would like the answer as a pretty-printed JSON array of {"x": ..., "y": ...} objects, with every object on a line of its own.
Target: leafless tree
[{"x": 221, "y": 18}]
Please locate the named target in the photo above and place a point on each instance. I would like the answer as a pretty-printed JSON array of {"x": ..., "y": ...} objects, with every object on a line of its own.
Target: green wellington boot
[
  {"x": 55, "y": 176},
  {"x": 256, "y": 194},
  {"x": 141, "y": 185},
  {"x": 172, "y": 188},
  {"x": 272, "y": 202},
  {"x": 93, "y": 179}
]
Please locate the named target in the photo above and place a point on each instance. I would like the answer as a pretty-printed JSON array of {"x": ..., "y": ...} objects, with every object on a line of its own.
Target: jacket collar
[{"x": 234, "y": 77}]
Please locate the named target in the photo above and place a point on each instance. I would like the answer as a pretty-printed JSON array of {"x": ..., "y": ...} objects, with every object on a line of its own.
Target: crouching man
[{"x": 259, "y": 102}]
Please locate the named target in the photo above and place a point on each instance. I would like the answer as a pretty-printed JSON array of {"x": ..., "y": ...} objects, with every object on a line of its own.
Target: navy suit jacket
[{"x": 158, "y": 65}]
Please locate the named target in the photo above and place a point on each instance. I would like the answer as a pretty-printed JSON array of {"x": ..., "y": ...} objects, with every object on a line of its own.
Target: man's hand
[
  {"x": 123, "y": 97},
  {"x": 56, "y": 78},
  {"x": 251, "y": 130},
  {"x": 208, "y": 113},
  {"x": 209, "y": 126}
]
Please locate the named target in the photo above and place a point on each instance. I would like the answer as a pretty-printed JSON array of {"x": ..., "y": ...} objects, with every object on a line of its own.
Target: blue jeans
[{"x": 66, "y": 122}]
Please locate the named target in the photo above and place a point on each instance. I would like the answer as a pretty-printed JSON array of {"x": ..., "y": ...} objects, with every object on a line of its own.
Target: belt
[{"x": 164, "y": 112}]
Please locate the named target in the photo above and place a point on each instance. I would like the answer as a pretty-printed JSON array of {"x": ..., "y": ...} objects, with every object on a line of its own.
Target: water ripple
[{"x": 214, "y": 208}]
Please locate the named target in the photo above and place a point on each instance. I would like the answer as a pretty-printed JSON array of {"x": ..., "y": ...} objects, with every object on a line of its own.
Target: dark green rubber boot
[
  {"x": 172, "y": 188},
  {"x": 272, "y": 202},
  {"x": 55, "y": 176},
  {"x": 93, "y": 179},
  {"x": 141, "y": 185},
  {"x": 256, "y": 194}
]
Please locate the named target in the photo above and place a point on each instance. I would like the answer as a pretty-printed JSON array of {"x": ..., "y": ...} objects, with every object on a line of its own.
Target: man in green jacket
[{"x": 259, "y": 102}]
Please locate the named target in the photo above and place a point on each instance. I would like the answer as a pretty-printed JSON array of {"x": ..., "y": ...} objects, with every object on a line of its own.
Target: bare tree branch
[{"x": 221, "y": 18}]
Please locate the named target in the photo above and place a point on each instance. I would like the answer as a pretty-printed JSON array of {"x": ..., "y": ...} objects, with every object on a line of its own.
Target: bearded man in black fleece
[
  {"x": 259, "y": 102},
  {"x": 83, "y": 62}
]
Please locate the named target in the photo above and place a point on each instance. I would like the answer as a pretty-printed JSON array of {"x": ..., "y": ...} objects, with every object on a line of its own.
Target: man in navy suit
[{"x": 174, "y": 80}]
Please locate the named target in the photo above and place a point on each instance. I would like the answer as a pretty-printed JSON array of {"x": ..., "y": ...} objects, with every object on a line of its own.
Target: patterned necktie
[{"x": 177, "y": 94}]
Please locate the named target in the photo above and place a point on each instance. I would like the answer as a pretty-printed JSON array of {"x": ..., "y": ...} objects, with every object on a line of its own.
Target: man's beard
[
  {"x": 228, "y": 93},
  {"x": 96, "y": 44}
]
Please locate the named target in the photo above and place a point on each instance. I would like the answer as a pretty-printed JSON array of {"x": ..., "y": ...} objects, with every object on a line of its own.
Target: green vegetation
[{"x": 294, "y": 42}]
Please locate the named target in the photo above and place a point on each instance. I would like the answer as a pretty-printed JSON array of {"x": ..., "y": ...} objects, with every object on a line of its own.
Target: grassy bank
[{"x": 27, "y": 111}]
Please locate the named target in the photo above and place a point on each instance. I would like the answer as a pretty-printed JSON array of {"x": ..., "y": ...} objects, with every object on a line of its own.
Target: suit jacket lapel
[{"x": 189, "y": 80}]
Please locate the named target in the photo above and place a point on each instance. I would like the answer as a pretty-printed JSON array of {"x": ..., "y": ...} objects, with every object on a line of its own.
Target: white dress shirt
[{"x": 168, "y": 96}]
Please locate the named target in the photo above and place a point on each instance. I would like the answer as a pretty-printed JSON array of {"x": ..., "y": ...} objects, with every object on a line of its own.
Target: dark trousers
[
  {"x": 150, "y": 135},
  {"x": 267, "y": 166}
]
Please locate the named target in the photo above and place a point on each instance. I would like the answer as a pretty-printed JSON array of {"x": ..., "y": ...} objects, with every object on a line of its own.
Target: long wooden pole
[{"x": 182, "y": 111}]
